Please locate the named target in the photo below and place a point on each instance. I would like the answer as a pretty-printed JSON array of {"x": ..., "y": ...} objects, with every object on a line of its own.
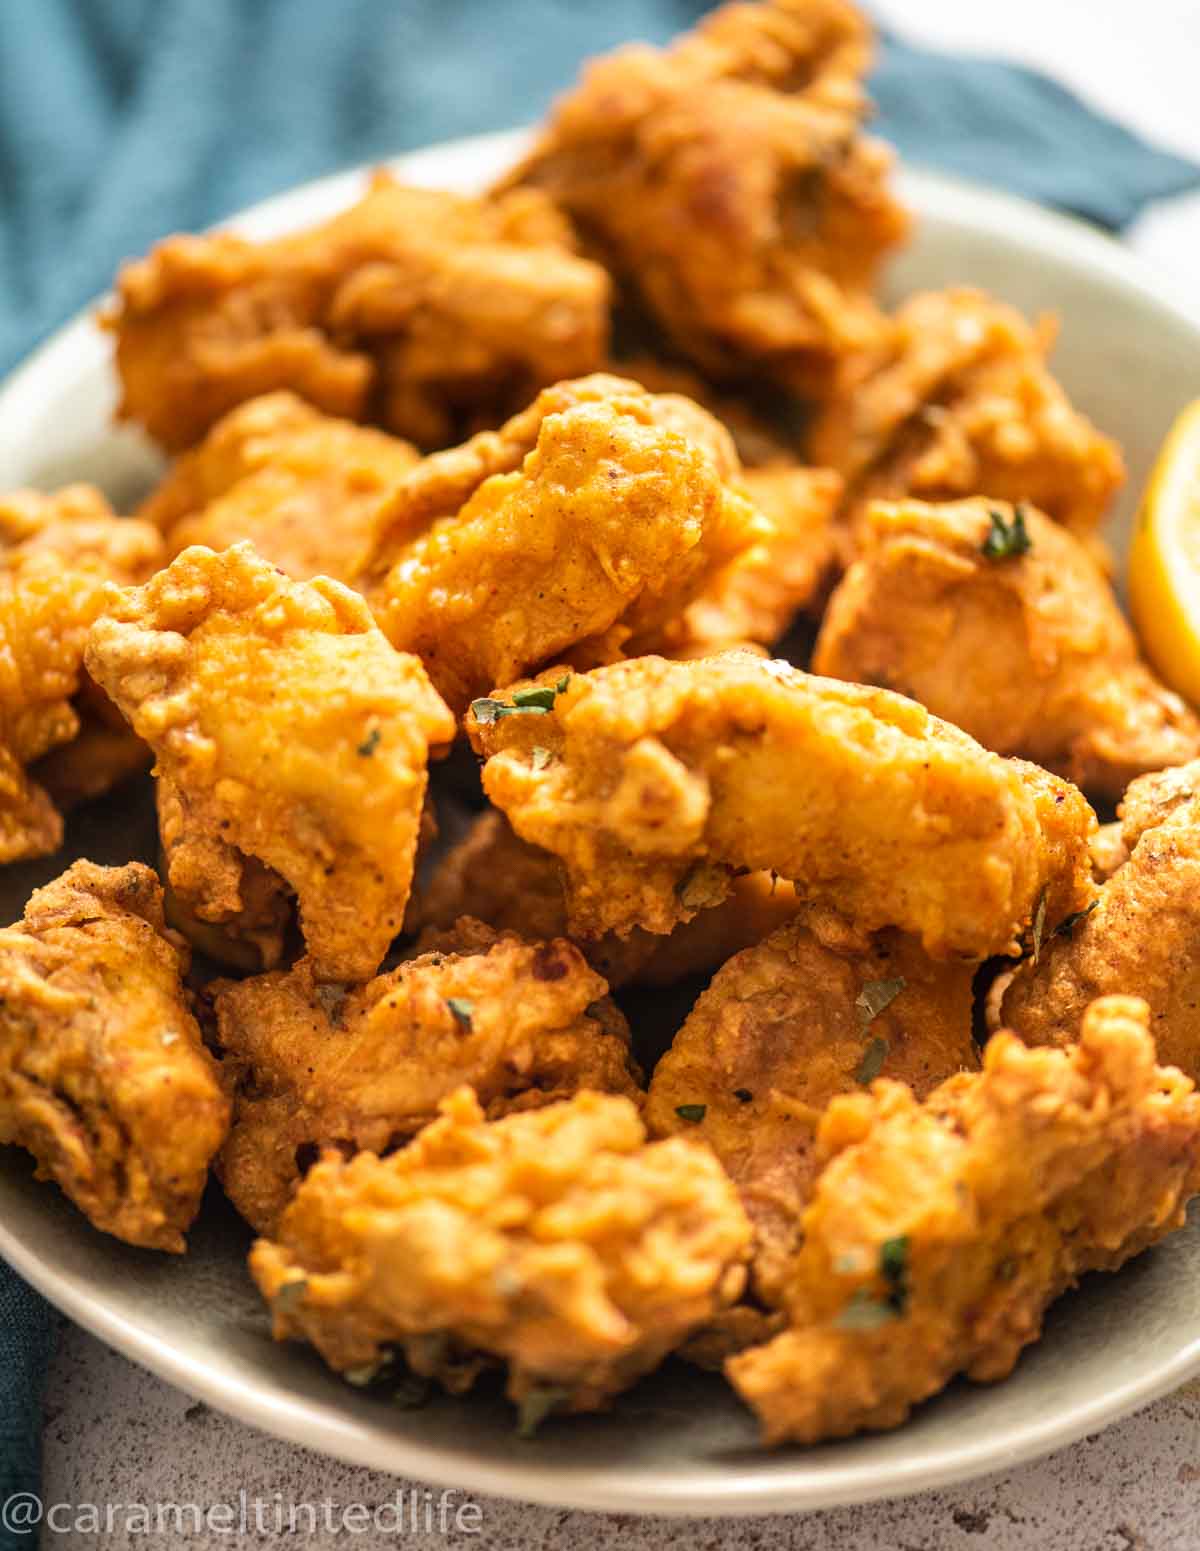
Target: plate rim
[{"x": 291, "y": 1417}]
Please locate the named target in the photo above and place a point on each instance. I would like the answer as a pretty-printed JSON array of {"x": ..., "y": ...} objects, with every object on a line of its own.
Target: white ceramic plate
[{"x": 680, "y": 1443}]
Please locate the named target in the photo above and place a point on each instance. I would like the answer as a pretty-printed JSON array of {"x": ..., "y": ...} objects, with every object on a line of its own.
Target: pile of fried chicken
[{"x": 783, "y": 636}]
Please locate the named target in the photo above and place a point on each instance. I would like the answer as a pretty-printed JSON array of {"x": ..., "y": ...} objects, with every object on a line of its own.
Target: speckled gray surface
[{"x": 116, "y": 1435}]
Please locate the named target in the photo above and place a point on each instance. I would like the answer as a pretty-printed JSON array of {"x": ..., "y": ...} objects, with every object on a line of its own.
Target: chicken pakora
[
  {"x": 364, "y": 1068},
  {"x": 652, "y": 781},
  {"x": 1000, "y": 621},
  {"x": 286, "y": 730},
  {"x": 939, "y": 1233},
  {"x": 419, "y": 310},
  {"x": 103, "y": 1075},
  {"x": 559, "y": 1242}
]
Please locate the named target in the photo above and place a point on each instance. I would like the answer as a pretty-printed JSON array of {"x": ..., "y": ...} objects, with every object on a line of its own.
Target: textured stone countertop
[{"x": 116, "y": 1435}]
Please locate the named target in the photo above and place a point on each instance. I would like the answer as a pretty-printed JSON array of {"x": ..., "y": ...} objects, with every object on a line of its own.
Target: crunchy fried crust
[
  {"x": 414, "y": 308},
  {"x": 959, "y": 403},
  {"x": 559, "y": 1242},
  {"x": 56, "y": 554},
  {"x": 103, "y": 1075},
  {"x": 514, "y": 886},
  {"x": 1142, "y": 939},
  {"x": 995, "y": 1196},
  {"x": 611, "y": 524},
  {"x": 1030, "y": 654},
  {"x": 725, "y": 182},
  {"x": 303, "y": 487},
  {"x": 289, "y": 731},
  {"x": 778, "y": 1034},
  {"x": 658, "y": 778},
  {"x": 314, "y": 1067}
]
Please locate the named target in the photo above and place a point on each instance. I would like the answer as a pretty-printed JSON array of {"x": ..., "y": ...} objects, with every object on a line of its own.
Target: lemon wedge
[{"x": 1164, "y": 560}]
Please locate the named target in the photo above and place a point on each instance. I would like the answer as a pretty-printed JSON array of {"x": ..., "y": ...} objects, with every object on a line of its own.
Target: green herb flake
[
  {"x": 743, "y": 1095},
  {"x": 1066, "y": 927},
  {"x": 462, "y": 1008},
  {"x": 487, "y": 710},
  {"x": 540, "y": 698},
  {"x": 692, "y": 1112},
  {"x": 539, "y": 757},
  {"x": 872, "y": 1062},
  {"x": 864, "y": 1312},
  {"x": 893, "y": 1268},
  {"x": 561, "y": 687},
  {"x": 875, "y": 997},
  {"x": 1006, "y": 539},
  {"x": 536, "y": 1406},
  {"x": 291, "y": 1295},
  {"x": 370, "y": 743}
]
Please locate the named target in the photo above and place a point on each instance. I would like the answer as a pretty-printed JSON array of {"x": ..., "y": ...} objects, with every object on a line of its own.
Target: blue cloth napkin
[{"x": 123, "y": 120}]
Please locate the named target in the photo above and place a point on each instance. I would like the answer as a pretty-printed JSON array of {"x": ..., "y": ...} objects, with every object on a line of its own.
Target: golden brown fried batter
[
  {"x": 1142, "y": 938},
  {"x": 303, "y": 487},
  {"x": 313, "y": 1067},
  {"x": 414, "y": 308},
  {"x": 940, "y": 1232},
  {"x": 57, "y": 552},
  {"x": 559, "y": 1242},
  {"x": 725, "y": 182},
  {"x": 1028, "y": 652},
  {"x": 514, "y": 886},
  {"x": 286, "y": 730},
  {"x": 961, "y": 403},
  {"x": 103, "y": 1075},
  {"x": 757, "y": 597},
  {"x": 611, "y": 525},
  {"x": 652, "y": 780},
  {"x": 782, "y": 1029}
]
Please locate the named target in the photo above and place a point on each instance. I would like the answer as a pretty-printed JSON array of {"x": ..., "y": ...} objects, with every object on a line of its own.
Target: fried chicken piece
[
  {"x": 1026, "y": 648},
  {"x": 103, "y": 1074},
  {"x": 759, "y": 442},
  {"x": 313, "y": 1067},
  {"x": 757, "y": 597},
  {"x": 725, "y": 182},
  {"x": 939, "y": 1233},
  {"x": 1141, "y": 938},
  {"x": 303, "y": 487},
  {"x": 652, "y": 780},
  {"x": 286, "y": 730},
  {"x": 416, "y": 309},
  {"x": 57, "y": 552},
  {"x": 961, "y": 403},
  {"x": 611, "y": 525},
  {"x": 782, "y": 1029},
  {"x": 494, "y": 875},
  {"x": 559, "y": 1242}
]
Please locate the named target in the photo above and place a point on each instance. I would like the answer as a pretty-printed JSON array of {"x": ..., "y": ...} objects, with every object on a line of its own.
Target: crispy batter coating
[
  {"x": 656, "y": 778},
  {"x": 303, "y": 487},
  {"x": 56, "y": 554},
  {"x": 756, "y": 598},
  {"x": 1029, "y": 653},
  {"x": 961, "y": 403},
  {"x": 414, "y": 308},
  {"x": 103, "y": 1074},
  {"x": 725, "y": 182},
  {"x": 940, "y": 1232},
  {"x": 314, "y": 1067},
  {"x": 612, "y": 523},
  {"x": 759, "y": 441},
  {"x": 288, "y": 731},
  {"x": 514, "y": 886},
  {"x": 559, "y": 1242},
  {"x": 781, "y": 1031},
  {"x": 1141, "y": 939}
]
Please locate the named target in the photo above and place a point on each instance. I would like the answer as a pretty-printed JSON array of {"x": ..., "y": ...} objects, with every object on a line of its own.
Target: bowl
[{"x": 680, "y": 1443}]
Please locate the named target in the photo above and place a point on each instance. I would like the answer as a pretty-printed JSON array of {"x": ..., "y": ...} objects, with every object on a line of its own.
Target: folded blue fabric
[{"x": 123, "y": 120}]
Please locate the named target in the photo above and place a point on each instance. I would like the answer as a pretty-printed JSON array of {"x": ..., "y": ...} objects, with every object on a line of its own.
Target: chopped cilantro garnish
[
  {"x": 462, "y": 1008},
  {"x": 1066, "y": 927},
  {"x": 539, "y": 757},
  {"x": 875, "y": 996},
  {"x": 536, "y": 1406},
  {"x": 537, "y": 700},
  {"x": 864, "y": 1312},
  {"x": 693, "y": 1112},
  {"x": 872, "y": 1062},
  {"x": 540, "y": 698},
  {"x": 370, "y": 743},
  {"x": 1006, "y": 539},
  {"x": 893, "y": 1267}
]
